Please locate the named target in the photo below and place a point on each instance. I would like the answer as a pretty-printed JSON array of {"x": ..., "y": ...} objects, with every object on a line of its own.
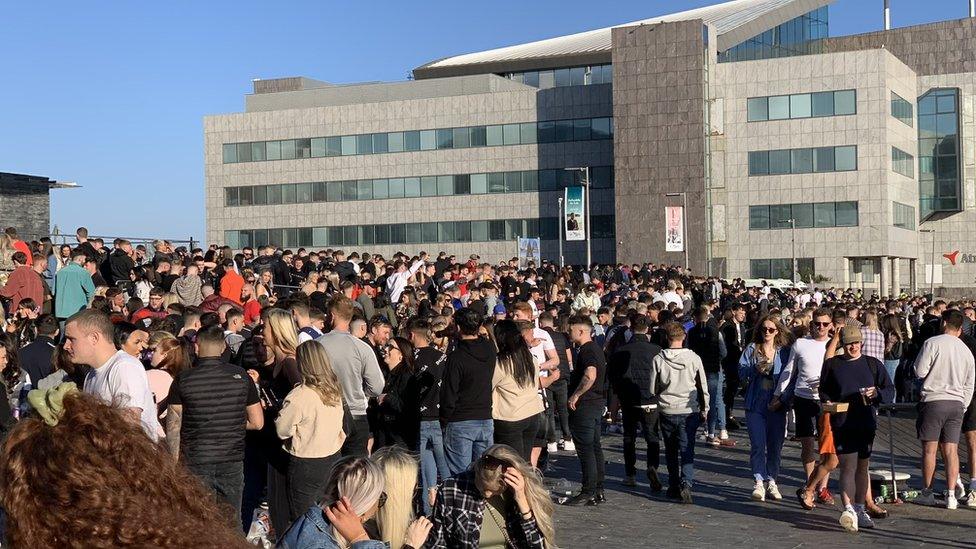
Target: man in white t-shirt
[
  {"x": 544, "y": 351},
  {"x": 117, "y": 377}
]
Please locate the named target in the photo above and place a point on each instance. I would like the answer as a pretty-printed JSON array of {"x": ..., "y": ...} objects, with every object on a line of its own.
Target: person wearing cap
[
  {"x": 587, "y": 299},
  {"x": 861, "y": 382}
]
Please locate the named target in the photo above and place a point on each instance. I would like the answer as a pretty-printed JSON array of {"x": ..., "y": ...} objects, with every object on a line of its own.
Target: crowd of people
[{"x": 417, "y": 401}]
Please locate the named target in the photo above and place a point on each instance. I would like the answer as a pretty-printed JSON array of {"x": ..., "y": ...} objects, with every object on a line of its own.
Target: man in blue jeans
[
  {"x": 706, "y": 341},
  {"x": 466, "y": 394},
  {"x": 678, "y": 380},
  {"x": 429, "y": 365}
]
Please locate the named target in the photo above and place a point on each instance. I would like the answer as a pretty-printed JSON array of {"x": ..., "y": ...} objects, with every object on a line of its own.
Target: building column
[
  {"x": 913, "y": 276},
  {"x": 895, "y": 277},
  {"x": 857, "y": 280},
  {"x": 846, "y": 277},
  {"x": 884, "y": 276}
]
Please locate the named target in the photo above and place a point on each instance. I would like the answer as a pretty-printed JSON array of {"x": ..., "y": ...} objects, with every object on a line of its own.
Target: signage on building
[
  {"x": 528, "y": 252},
  {"x": 674, "y": 227},
  {"x": 955, "y": 258},
  {"x": 575, "y": 219}
]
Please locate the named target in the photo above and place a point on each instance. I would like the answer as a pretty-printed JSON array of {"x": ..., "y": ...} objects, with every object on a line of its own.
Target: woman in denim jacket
[{"x": 759, "y": 369}]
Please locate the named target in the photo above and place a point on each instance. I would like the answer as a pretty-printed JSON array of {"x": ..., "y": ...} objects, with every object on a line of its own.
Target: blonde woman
[
  {"x": 395, "y": 519},
  {"x": 499, "y": 502},
  {"x": 310, "y": 424}
]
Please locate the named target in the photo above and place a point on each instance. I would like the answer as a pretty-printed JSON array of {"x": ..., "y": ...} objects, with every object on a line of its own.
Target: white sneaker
[
  {"x": 864, "y": 520},
  {"x": 723, "y": 435},
  {"x": 773, "y": 491},
  {"x": 569, "y": 446},
  {"x": 960, "y": 489},
  {"x": 971, "y": 500},
  {"x": 848, "y": 520},
  {"x": 951, "y": 501},
  {"x": 552, "y": 447},
  {"x": 759, "y": 493},
  {"x": 925, "y": 497}
]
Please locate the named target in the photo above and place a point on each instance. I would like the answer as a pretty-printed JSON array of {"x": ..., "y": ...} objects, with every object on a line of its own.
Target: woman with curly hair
[{"x": 122, "y": 491}]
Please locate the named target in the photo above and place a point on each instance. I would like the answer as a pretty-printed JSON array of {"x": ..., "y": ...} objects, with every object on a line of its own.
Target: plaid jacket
[
  {"x": 458, "y": 514},
  {"x": 873, "y": 344}
]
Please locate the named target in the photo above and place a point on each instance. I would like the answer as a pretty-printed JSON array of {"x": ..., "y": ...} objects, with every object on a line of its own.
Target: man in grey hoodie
[{"x": 678, "y": 381}]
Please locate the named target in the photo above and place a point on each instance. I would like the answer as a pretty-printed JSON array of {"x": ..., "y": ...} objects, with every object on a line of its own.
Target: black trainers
[
  {"x": 582, "y": 498},
  {"x": 601, "y": 497},
  {"x": 673, "y": 493},
  {"x": 686, "y": 494},
  {"x": 732, "y": 424},
  {"x": 653, "y": 479}
]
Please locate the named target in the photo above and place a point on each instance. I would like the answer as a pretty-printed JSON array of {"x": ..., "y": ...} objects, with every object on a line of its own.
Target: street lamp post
[
  {"x": 586, "y": 186},
  {"x": 793, "y": 273},
  {"x": 684, "y": 222},
  {"x": 562, "y": 217},
  {"x": 932, "y": 262}
]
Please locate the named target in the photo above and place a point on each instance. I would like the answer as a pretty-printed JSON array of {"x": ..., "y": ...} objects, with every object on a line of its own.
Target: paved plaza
[{"x": 723, "y": 513}]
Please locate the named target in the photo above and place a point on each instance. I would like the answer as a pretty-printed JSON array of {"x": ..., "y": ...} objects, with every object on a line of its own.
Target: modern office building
[{"x": 855, "y": 155}]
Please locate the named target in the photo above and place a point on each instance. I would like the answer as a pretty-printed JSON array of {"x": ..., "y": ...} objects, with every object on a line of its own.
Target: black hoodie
[{"x": 466, "y": 387}]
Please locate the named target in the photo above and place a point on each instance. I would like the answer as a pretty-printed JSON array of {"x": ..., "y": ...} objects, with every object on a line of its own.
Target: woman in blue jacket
[{"x": 759, "y": 369}]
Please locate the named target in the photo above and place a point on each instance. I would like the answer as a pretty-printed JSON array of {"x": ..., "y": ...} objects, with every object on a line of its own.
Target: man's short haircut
[
  {"x": 300, "y": 308},
  {"x": 547, "y": 319},
  {"x": 674, "y": 331},
  {"x": 580, "y": 320},
  {"x": 953, "y": 319},
  {"x": 191, "y": 317},
  {"x": 822, "y": 312},
  {"x": 91, "y": 320},
  {"x": 522, "y": 307},
  {"x": 19, "y": 257},
  {"x": 233, "y": 314},
  {"x": 157, "y": 291},
  {"x": 211, "y": 341},
  {"x": 421, "y": 327},
  {"x": 208, "y": 319},
  {"x": 468, "y": 321},
  {"x": 82, "y": 232},
  {"x": 640, "y": 324},
  {"x": 739, "y": 307},
  {"x": 839, "y": 314},
  {"x": 379, "y": 320},
  {"x": 47, "y": 325},
  {"x": 342, "y": 308}
]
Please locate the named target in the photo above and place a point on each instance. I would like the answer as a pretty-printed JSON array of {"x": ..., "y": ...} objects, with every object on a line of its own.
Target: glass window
[
  {"x": 289, "y": 194},
  {"x": 530, "y": 180},
  {"x": 428, "y": 232},
  {"x": 802, "y": 160},
  {"x": 396, "y": 187},
  {"x": 548, "y": 180},
  {"x": 462, "y": 231},
  {"x": 258, "y": 152},
  {"x": 546, "y": 80},
  {"x": 513, "y": 229},
  {"x": 759, "y": 268},
  {"x": 495, "y": 136},
  {"x": 562, "y": 77},
  {"x": 822, "y": 104},
  {"x": 758, "y": 217},
  {"x": 230, "y": 196},
  {"x": 577, "y": 76},
  {"x": 273, "y": 150},
  {"x": 303, "y": 193},
  {"x": 381, "y": 143},
  {"x": 564, "y": 130},
  {"x": 527, "y": 133},
  {"x": 800, "y": 106},
  {"x": 513, "y": 182},
  {"x": 333, "y": 146},
  {"x": 364, "y": 144},
  {"x": 246, "y": 196},
  {"x": 318, "y": 147},
  {"x": 334, "y": 191},
  {"x": 381, "y": 188},
  {"x": 496, "y": 182},
  {"x": 479, "y": 231},
  {"x": 445, "y": 139},
  {"x": 366, "y": 234},
  {"x": 479, "y": 136},
  {"x": 272, "y": 194},
  {"x": 350, "y": 236},
  {"x": 445, "y": 185},
  {"x": 318, "y": 192},
  {"x": 803, "y": 215},
  {"x": 845, "y": 102},
  {"x": 823, "y": 214},
  {"x": 901, "y": 109},
  {"x": 531, "y": 78},
  {"x": 348, "y": 145},
  {"x": 260, "y": 195},
  {"x": 428, "y": 186},
  {"x": 547, "y": 132},
  {"x": 779, "y": 162},
  {"x": 445, "y": 232},
  {"x": 496, "y": 230},
  {"x": 364, "y": 189},
  {"x": 823, "y": 159},
  {"x": 398, "y": 233},
  {"x": 428, "y": 140},
  {"x": 411, "y": 187},
  {"x": 779, "y": 216},
  {"x": 845, "y": 158},
  {"x": 275, "y": 237},
  {"x": 243, "y": 152},
  {"x": 581, "y": 129},
  {"x": 846, "y": 214},
  {"x": 462, "y": 184},
  {"x": 779, "y": 107},
  {"x": 288, "y": 149},
  {"x": 479, "y": 183},
  {"x": 230, "y": 153},
  {"x": 600, "y": 128},
  {"x": 381, "y": 234},
  {"x": 757, "y": 108},
  {"x": 394, "y": 142},
  {"x": 411, "y": 141},
  {"x": 303, "y": 148},
  {"x": 946, "y": 103},
  {"x": 510, "y": 134},
  {"x": 414, "y": 233},
  {"x": 320, "y": 237},
  {"x": 462, "y": 138},
  {"x": 350, "y": 190}
]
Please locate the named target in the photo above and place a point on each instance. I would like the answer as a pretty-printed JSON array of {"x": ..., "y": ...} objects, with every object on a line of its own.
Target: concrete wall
[
  {"x": 658, "y": 97},
  {"x": 27, "y": 208}
]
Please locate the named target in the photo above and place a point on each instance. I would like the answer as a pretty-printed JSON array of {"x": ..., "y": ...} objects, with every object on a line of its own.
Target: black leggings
[
  {"x": 520, "y": 434},
  {"x": 305, "y": 482}
]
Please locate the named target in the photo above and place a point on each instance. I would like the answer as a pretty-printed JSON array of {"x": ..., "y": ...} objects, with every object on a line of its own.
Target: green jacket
[{"x": 73, "y": 290}]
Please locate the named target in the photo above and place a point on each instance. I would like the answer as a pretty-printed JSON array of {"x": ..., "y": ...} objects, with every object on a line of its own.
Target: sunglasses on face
[
  {"x": 769, "y": 330},
  {"x": 822, "y": 324}
]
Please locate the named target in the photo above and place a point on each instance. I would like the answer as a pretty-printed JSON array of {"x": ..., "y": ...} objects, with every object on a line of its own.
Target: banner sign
[
  {"x": 528, "y": 251},
  {"x": 575, "y": 220},
  {"x": 674, "y": 239}
]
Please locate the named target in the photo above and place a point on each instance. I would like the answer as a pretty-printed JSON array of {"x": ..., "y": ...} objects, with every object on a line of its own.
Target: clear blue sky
[{"x": 112, "y": 94}]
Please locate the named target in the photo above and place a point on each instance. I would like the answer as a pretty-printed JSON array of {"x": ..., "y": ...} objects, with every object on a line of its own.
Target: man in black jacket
[
  {"x": 735, "y": 337},
  {"x": 466, "y": 394},
  {"x": 706, "y": 341},
  {"x": 120, "y": 262},
  {"x": 35, "y": 358},
  {"x": 629, "y": 370}
]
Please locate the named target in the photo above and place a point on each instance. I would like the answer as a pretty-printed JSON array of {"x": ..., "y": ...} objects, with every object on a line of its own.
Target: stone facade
[{"x": 26, "y": 206}]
